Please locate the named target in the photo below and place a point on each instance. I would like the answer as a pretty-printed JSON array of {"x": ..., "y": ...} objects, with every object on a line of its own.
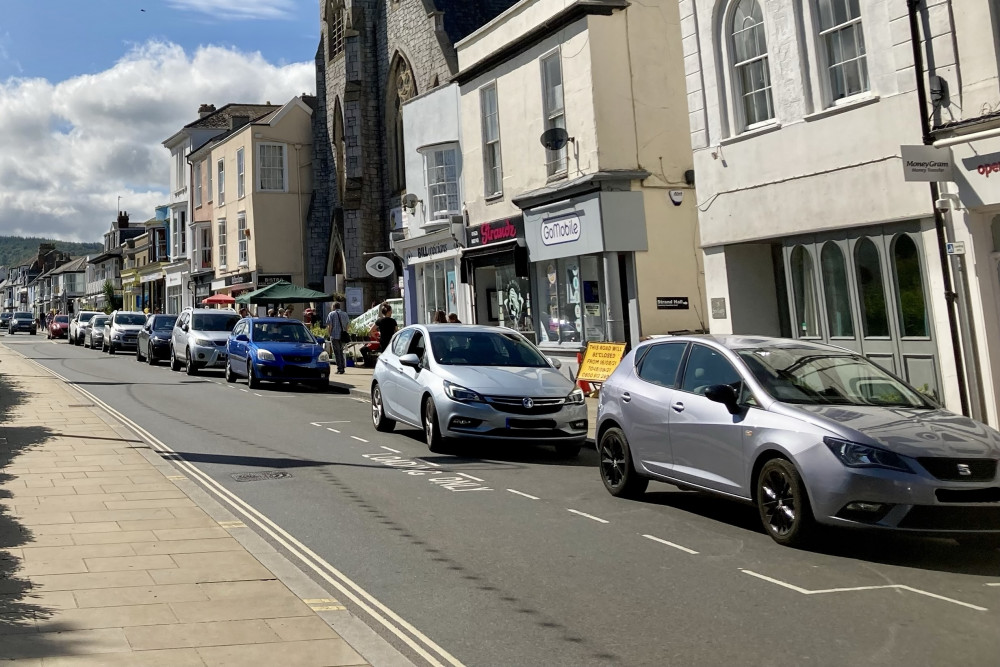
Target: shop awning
[{"x": 282, "y": 292}]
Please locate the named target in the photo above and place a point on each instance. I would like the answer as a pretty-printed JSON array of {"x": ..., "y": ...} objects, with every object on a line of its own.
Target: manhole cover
[{"x": 260, "y": 476}]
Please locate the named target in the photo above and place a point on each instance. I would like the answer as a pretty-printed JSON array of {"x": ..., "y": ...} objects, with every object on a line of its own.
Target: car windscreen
[
  {"x": 214, "y": 321},
  {"x": 281, "y": 332},
  {"x": 135, "y": 319},
  {"x": 86, "y": 317},
  {"x": 808, "y": 376},
  {"x": 484, "y": 348},
  {"x": 23, "y": 316},
  {"x": 62, "y": 319},
  {"x": 165, "y": 323}
]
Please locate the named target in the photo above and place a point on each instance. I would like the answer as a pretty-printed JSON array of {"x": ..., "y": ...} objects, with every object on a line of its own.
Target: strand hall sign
[{"x": 497, "y": 231}]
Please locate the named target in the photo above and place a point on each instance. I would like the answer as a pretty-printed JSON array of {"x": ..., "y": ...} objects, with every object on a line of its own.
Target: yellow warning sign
[{"x": 600, "y": 361}]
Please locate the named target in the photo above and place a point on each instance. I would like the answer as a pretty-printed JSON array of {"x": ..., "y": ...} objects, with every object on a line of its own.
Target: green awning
[{"x": 282, "y": 292}]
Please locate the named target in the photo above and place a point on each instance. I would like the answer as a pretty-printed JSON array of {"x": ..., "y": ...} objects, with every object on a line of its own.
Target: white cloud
[
  {"x": 238, "y": 9},
  {"x": 72, "y": 148}
]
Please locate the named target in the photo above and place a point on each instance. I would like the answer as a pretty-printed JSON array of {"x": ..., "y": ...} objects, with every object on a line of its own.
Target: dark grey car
[{"x": 809, "y": 433}]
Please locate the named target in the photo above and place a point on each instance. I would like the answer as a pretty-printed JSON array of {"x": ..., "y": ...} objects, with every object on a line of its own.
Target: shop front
[
  {"x": 152, "y": 293},
  {"x": 432, "y": 277},
  {"x": 233, "y": 285},
  {"x": 582, "y": 267},
  {"x": 496, "y": 264}
]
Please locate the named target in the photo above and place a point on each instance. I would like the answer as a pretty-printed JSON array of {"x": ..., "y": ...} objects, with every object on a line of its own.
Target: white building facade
[{"x": 798, "y": 111}]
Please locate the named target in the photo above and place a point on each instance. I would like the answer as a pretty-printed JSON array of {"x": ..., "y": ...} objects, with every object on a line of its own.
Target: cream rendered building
[
  {"x": 608, "y": 247},
  {"x": 252, "y": 189}
]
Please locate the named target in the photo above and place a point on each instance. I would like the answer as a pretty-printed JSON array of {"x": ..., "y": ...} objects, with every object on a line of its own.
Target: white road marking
[
  {"x": 430, "y": 463},
  {"x": 357, "y": 438},
  {"x": 589, "y": 516},
  {"x": 670, "y": 544},
  {"x": 901, "y": 587},
  {"x": 256, "y": 394},
  {"x": 337, "y": 421},
  {"x": 245, "y": 391},
  {"x": 993, "y": 584},
  {"x": 332, "y": 429},
  {"x": 390, "y": 449},
  {"x": 470, "y": 476},
  {"x": 523, "y": 494},
  {"x": 362, "y": 598}
]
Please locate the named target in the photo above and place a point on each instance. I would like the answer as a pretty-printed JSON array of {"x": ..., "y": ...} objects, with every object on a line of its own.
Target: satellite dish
[
  {"x": 380, "y": 267},
  {"x": 555, "y": 138}
]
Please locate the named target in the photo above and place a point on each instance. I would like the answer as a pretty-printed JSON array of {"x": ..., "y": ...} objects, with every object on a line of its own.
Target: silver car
[
  {"x": 808, "y": 433},
  {"x": 465, "y": 381},
  {"x": 93, "y": 331},
  {"x": 199, "y": 339},
  {"x": 121, "y": 330}
]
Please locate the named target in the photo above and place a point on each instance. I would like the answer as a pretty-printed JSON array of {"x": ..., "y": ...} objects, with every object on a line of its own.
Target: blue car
[{"x": 276, "y": 349}]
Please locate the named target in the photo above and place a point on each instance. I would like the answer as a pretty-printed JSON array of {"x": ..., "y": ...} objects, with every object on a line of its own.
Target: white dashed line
[
  {"x": 430, "y": 463},
  {"x": 523, "y": 494},
  {"x": 246, "y": 391},
  {"x": 670, "y": 544},
  {"x": 256, "y": 394},
  {"x": 360, "y": 439},
  {"x": 469, "y": 476},
  {"x": 390, "y": 449},
  {"x": 589, "y": 516},
  {"x": 993, "y": 584},
  {"x": 332, "y": 429}
]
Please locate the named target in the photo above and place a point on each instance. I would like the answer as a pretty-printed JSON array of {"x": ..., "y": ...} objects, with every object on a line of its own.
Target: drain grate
[{"x": 260, "y": 476}]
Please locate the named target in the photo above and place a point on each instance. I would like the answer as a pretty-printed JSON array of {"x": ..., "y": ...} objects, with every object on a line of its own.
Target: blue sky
[{"x": 90, "y": 88}]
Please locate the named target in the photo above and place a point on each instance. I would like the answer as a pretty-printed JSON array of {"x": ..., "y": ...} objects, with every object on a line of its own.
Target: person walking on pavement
[
  {"x": 440, "y": 317},
  {"x": 386, "y": 326},
  {"x": 336, "y": 326}
]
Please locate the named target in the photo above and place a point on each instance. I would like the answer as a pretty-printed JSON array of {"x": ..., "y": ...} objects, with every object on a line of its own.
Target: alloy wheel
[
  {"x": 613, "y": 460},
  {"x": 376, "y": 406},
  {"x": 779, "y": 502}
]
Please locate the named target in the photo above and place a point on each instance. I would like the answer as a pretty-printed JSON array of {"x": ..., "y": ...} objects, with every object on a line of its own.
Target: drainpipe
[{"x": 939, "y": 222}]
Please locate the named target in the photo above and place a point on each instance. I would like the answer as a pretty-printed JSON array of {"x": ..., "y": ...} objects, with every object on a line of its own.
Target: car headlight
[
  {"x": 856, "y": 455},
  {"x": 576, "y": 397},
  {"x": 265, "y": 355},
  {"x": 203, "y": 342},
  {"x": 323, "y": 356},
  {"x": 457, "y": 392}
]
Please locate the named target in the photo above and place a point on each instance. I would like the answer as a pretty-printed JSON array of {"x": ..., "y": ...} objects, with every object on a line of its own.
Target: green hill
[{"x": 16, "y": 250}]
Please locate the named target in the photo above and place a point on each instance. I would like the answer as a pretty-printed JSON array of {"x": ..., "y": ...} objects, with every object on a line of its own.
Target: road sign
[
  {"x": 956, "y": 248},
  {"x": 600, "y": 360}
]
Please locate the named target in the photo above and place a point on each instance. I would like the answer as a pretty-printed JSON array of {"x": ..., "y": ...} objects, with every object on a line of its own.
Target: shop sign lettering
[
  {"x": 496, "y": 231},
  {"x": 564, "y": 230},
  {"x": 428, "y": 250},
  {"x": 987, "y": 169}
]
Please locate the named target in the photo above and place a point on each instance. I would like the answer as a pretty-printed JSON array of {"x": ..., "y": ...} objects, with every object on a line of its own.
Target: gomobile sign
[
  {"x": 926, "y": 163},
  {"x": 496, "y": 231},
  {"x": 563, "y": 230}
]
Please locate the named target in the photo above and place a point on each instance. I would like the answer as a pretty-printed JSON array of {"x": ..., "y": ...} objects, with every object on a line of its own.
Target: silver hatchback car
[
  {"x": 467, "y": 381},
  {"x": 808, "y": 433}
]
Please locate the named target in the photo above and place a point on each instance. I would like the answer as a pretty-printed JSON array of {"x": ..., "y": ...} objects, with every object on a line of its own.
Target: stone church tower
[{"x": 373, "y": 56}]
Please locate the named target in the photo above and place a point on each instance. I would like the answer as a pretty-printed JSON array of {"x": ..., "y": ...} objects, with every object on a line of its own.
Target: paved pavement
[{"x": 108, "y": 556}]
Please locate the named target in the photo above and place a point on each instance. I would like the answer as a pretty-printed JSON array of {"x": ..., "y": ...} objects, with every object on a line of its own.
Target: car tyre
[
  {"x": 175, "y": 365},
  {"x": 618, "y": 473},
  {"x": 230, "y": 375},
  {"x": 190, "y": 367},
  {"x": 150, "y": 357},
  {"x": 568, "y": 450},
  {"x": 381, "y": 422},
  {"x": 432, "y": 430},
  {"x": 783, "y": 503},
  {"x": 252, "y": 380},
  {"x": 138, "y": 352},
  {"x": 111, "y": 349}
]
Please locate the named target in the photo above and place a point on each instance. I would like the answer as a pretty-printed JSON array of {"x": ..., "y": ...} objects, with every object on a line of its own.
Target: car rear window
[
  {"x": 22, "y": 316},
  {"x": 214, "y": 322},
  {"x": 165, "y": 323},
  {"x": 130, "y": 319},
  {"x": 86, "y": 317},
  {"x": 62, "y": 319}
]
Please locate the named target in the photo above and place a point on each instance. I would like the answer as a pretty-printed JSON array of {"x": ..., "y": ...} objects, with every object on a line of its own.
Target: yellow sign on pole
[{"x": 600, "y": 360}]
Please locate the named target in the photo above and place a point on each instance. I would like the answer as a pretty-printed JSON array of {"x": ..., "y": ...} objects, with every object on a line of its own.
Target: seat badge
[{"x": 964, "y": 470}]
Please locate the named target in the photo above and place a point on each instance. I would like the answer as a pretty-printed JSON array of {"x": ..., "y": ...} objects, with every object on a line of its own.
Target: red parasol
[{"x": 218, "y": 299}]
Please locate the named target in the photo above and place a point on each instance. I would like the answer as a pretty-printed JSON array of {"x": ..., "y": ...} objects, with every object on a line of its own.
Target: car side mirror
[
  {"x": 411, "y": 360},
  {"x": 243, "y": 338},
  {"x": 725, "y": 394},
  {"x": 184, "y": 327},
  {"x": 320, "y": 340},
  {"x": 554, "y": 362}
]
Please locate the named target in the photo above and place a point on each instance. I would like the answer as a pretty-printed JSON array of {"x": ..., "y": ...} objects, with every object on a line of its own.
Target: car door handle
[
  {"x": 626, "y": 397},
  {"x": 678, "y": 407}
]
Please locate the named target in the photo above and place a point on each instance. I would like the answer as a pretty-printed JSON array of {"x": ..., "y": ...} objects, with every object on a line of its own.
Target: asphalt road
[{"x": 517, "y": 557}]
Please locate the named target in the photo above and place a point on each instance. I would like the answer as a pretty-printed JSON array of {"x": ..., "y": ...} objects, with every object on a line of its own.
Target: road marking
[
  {"x": 311, "y": 601},
  {"x": 670, "y": 544},
  {"x": 390, "y": 449},
  {"x": 330, "y": 607},
  {"x": 523, "y": 494},
  {"x": 357, "y": 438},
  {"x": 245, "y": 391},
  {"x": 338, "y": 421},
  {"x": 256, "y": 394},
  {"x": 430, "y": 463},
  {"x": 805, "y": 591},
  {"x": 589, "y": 516},
  {"x": 993, "y": 584},
  {"x": 364, "y": 600},
  {"x": 469, "y": 476},
  {"x": 176, "y": 477},
  {"x": 232, "y": 524},
  {"x": 332, "y": 429}
]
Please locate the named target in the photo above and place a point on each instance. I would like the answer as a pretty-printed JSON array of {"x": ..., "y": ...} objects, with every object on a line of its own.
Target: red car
[{"x": 58, "y": 327}]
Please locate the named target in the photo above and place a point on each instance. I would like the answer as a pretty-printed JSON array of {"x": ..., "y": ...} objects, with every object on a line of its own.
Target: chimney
[
  {"x": 205, "y": 110},
  {"x": 236, "y": 122},
  {"x": 122, "y": 219}
]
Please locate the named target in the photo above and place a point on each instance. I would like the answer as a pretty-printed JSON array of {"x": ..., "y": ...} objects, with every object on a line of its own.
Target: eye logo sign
[{"x": 379, "y": 267}]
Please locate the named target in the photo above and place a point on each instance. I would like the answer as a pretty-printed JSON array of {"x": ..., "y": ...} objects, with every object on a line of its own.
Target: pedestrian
[
  {"x": 336, "y": 326},
  {"x": 453, "y": 318},
  {"x": 270, "y": 313},
  {"x": 244, "y": 312},
  {"x": 289, "y": 311},
  {"x": 440, "y": 317},
  {"x": 386, "y": 326}
]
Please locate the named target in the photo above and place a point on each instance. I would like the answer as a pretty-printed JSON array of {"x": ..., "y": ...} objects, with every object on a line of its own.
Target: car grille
[
  {"x": 515, "y": 405},
  {"x": 931, "y": 517},
  {"x": 991, "y": 495},
  {"x": 981, "y": 470},
  {"x": 221, "y": 343},
  {"x": 297, "y": 359}
]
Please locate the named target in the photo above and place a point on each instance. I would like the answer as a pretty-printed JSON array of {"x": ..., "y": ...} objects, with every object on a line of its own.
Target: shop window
[
  {"x": 804, "y": 291},
  {"x": 840, "y": 322},
  {"x": 871, "y": 289},
  {"x": 439, "y": 288},
  {"x": 570, "y": 305},
  {"x": 909, "y": 287}
]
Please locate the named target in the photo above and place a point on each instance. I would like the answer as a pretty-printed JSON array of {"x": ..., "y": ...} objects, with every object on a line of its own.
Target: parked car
[
  {"x": 199, "y": 338},
  {"x": 469, "y": 381},
  {"x": 58, "y": 327},
  {"x": 273, "y": 349},
  {"x": 809, "y": 433},
  {"x": 153, "y": 342},
  {"x": 5, "y": 320},
  {"x": 78, "y": 326},
  {"x": 22, "y": 322},
  {"x": 121, "y": 330},
  {"x": 93, "y": 332}
]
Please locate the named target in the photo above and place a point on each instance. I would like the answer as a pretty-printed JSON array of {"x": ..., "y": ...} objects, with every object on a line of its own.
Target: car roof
[
  {"x": 746, "y": 342},
  {"x": 266, "y": 320},
  {"x": 211, "y": 310},
  {"x": 448, "y": 328},
  {"x": 128, "y": 312}
]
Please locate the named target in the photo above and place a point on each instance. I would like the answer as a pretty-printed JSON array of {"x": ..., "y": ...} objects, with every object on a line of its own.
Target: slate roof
[
  {"x": 219, "y": 119},
  {"x": 73, "y": 266},
  {"x": 462, "y": 17}
]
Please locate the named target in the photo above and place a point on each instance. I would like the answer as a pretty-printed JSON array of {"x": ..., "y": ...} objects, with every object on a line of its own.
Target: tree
[{"x": 109, "y": 296}]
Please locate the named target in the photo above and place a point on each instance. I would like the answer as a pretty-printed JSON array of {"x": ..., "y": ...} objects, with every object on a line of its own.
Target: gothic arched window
[{"x": 401, "y": 87}]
